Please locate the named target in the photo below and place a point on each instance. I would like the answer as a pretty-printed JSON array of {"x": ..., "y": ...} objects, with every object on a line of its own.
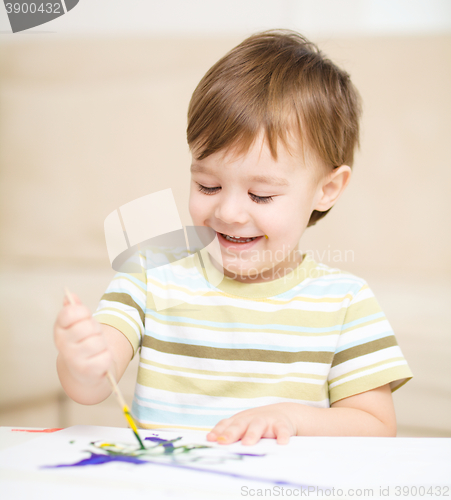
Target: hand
[
  {"x": 81, "y": 343},
  {"x": 271, "y": 421}
]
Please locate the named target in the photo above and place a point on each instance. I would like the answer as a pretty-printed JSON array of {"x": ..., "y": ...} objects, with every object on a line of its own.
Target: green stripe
[
  {"x": 195, "y": 351},
  {"x": 401, "y": 374},
  {"x": 121, "y": 325},
  {"x": 361, "y": 350},
  {"x": 219, "y": 374},
  {"x": 124, "y": 298},
  {"x": 232, "y": 389},
  {"x": 364, "y": 369}
]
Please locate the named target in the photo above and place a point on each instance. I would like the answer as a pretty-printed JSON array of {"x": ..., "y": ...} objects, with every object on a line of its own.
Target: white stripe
[
  {"x": 132, "y": 311},
  {"x": 365, "y": 360},
  {"x": 122, "y": 285},
  {"x": 121, "y": 316},
  {"x": 365, "y": 331},
  {"x": 325, "y": 281},
  {"x": 363, "y": 295},
  {"x": 128, "y": 313},
  {"x": 367, "y": 372}
]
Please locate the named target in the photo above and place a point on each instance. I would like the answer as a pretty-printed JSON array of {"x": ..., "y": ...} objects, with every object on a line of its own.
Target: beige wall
[{"x": 87, "y": 125}]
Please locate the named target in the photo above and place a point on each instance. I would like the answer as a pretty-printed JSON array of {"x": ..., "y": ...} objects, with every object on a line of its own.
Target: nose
[{"x": 230, "y": 210}]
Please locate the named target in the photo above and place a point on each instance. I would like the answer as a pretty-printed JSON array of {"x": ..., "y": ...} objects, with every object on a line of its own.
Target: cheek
[
  {"x": 289, "y": 221},
  {"x": 197, "y": 206},
  {"x": 192, "y": 207}
]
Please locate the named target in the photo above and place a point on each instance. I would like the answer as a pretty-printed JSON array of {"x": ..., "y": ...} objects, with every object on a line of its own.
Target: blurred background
[{"x": 93, "y": 115}]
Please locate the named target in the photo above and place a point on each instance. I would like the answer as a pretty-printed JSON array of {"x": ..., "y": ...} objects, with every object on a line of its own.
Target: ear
[{"x": 332, "y": 186}]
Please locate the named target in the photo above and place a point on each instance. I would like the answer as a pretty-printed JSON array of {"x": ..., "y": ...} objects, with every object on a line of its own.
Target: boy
[{"x": 282, "y": 346}]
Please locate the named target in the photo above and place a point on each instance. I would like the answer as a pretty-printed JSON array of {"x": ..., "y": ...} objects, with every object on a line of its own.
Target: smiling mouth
[{"x": 238, "y": 239}]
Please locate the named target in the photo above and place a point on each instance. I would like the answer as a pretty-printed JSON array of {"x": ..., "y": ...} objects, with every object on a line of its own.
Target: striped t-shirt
[{"x": 314, "y": 336}]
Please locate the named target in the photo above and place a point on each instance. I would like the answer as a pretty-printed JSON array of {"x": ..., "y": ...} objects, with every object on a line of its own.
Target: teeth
[{"x": 237, "y": 239}]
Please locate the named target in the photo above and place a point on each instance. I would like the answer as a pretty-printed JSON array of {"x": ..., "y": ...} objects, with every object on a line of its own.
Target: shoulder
[{"x": 332, "y": 280}]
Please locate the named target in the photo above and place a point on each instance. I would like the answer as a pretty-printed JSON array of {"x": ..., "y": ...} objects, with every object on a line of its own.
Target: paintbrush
[{"x": 116, "y": 390}]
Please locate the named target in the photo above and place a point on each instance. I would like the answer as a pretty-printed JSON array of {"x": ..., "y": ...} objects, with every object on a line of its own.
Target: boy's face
[{"x": 250, "y": 196}]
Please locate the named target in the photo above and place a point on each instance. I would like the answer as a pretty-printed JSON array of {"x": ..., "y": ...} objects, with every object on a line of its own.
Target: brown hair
[{"x": 280, "y": 82}]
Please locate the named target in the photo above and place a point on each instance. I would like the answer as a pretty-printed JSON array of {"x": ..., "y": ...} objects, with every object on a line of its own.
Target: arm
[
  {"x": 367, "y": 414},
  {"x": 87, "y": 350}
]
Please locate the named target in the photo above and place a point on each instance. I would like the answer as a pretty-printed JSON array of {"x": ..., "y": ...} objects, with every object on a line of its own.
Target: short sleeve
[
  {"x": 123, "y": 306},
  {"x": 367, "y": 355}
]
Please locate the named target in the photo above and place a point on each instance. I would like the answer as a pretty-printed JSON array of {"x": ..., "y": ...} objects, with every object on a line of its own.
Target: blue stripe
[
  {"x": 365, "y": 319},
  {"x": 190, "y": 281},
  {"x": 248, "y": 326},
  {"x": 130, "y": 277},
  {"x": 117, "y": 288},
  {"x": 235, "y": 326},
  {"x": 144, "y": 414},
  {"x": 321, "y": 292},
  {"x": 181, "y": 406}
]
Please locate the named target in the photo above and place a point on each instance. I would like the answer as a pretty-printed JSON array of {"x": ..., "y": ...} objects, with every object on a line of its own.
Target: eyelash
[{"x": 254, "y": 197}]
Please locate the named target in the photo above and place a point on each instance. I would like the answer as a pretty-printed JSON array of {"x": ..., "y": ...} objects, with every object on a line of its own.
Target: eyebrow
[{"x": 263, "y": 179}]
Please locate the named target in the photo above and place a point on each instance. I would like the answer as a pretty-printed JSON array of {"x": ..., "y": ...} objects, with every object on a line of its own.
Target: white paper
[{"x": 313, "y": 464}]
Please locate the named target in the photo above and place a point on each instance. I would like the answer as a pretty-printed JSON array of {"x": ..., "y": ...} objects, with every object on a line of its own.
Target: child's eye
[
  {"x": 254, "y": 197},
  {"x": 206, "y": 190},
  {"x": 260, "y": 199}
]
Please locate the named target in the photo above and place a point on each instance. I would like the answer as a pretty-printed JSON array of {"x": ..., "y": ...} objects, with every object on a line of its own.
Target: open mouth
[{"x": 238, "y": 239}]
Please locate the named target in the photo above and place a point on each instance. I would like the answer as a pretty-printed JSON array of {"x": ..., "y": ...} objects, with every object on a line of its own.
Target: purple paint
[
  {"x": 167, "y": 445},
  {"x": 250, "y": 454},
  {"x": 156, "y": 440},
  {"x": 98, "y": 459}
]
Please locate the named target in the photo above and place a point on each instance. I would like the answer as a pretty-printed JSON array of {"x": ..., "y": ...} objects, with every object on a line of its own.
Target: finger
[
  {"x": 211, "y": 436},
  {"x": 71, "y": 314},
  {"x": 282, "y": 433},
  {"x": 254, "y": 432},
  {"x": 67, "y": 339},
  {"x": 70, "y": 298},
  {"x": 83, "y": 330},
  {"x": 217, "y": 429},
  {"x": 72, "y": 342},
  {"x": 76, "y": 298},
  {"x": 90, "y": 347},
  {"x": 91, "y": 370},
  {"x": 233, "y": 432}
]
